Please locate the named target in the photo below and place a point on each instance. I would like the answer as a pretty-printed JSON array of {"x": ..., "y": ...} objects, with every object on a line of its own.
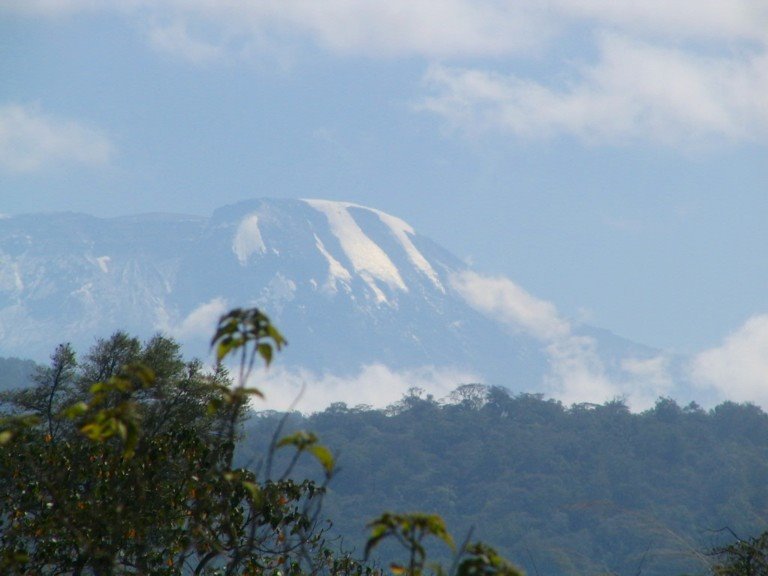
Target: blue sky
[{"x": 609, "y": 156}]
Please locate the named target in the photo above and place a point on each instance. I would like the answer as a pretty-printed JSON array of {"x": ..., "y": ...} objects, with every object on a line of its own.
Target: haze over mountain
[{"x": 369, "y": 306}]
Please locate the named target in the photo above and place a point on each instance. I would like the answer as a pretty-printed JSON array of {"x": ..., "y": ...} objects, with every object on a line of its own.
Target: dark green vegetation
[
  {"x": 122, "y": 462},
  {"x": 587, "y": 489}
]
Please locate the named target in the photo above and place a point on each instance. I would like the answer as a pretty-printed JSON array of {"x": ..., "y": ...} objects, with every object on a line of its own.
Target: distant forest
[{"x": 585, "y": 489}]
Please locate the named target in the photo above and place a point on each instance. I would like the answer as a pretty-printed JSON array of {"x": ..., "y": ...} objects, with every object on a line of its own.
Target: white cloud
[
  {"x": 198, "y": 323},
  {"x": 577, "y": 372},
  {"x": 375, "y": 385},
  {"x": 32, "y": 140},
  {"x": 438, "y": 28},
  {"x": 734, "y": 19},
  {"x": 738, "y": 369},
  {"x": 673, "y": 72},
  {"x": 647, "y": 379},
  {"x": 636, "y": 91},
  {"x": 441, "y": 28},
  {"x": 503, "y": 299},
  {"x": 372, "y": 27}
]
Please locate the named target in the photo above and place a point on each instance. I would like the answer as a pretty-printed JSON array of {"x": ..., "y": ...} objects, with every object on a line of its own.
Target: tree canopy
[{"x": 581, "y": 489}]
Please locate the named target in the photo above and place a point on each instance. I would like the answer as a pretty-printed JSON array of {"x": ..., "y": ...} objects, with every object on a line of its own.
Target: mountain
[{"x": 350, "y": 286}]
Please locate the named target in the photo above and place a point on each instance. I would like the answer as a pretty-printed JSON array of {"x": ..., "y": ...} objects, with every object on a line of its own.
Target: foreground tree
[
  {"x": 743, "y": 557},
  {"x": 123, "y": 464}
]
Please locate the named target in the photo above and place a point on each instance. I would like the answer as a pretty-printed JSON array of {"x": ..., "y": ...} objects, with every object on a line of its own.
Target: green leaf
[
  {"x": 5, "y": 437},
  {"x": 240, "y": 327},
  {"x": 98, "y": 388},
  {"x": 76, "y": 410},
  {"x": 301, "y": 440},
  {"x": 253, "y": 491},
  {"x": 265, "y": 351},
  {"x": 93, "y": 431},
  {"x": 324, "y": 456}
]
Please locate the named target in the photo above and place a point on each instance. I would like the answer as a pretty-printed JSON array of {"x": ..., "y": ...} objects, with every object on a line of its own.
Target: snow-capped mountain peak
[{"x": 349, "y": 286}]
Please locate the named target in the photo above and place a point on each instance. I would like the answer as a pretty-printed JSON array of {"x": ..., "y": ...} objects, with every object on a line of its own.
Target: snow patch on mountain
[
  {"x": 102, "y": 262},
  {"x": 336, "y": 272},
  {"x": 10, "y": 277},
  {"x": 278, "y": 292},
  {"x": 374, "y": 259},
  {"x": 403, "y": 232},
  {"x": 369, "y": 261},
  {"x": 248, "y": 239}
]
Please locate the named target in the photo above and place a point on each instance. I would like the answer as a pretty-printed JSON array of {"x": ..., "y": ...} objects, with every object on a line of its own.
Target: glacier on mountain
[
  {"x": 368, "y": 260},
  {"x": 336, "y": 272},
  {"x": 248, "y": 239}
]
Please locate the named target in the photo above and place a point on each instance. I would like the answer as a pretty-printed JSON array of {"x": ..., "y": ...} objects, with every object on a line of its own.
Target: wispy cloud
[
  {"x": 577, "y": 373},
  {"x": 503, "y": 299},
  {"x": 636, "y": 91},
  {"x": 648, "y": 379},
  {"x": 737, "y": 369},
  {"x": 442, "y": 27},
  {"x": 670, "y": 72},
  {"x": 198, "y": 323},
  {"x": 681, "y": 19},
  {"x": 31, "y": 140},
  {"x": 370, "y": 27}
]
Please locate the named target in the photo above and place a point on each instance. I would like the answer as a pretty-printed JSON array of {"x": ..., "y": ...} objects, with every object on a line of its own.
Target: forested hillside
[{"x": 586, "y": 489}]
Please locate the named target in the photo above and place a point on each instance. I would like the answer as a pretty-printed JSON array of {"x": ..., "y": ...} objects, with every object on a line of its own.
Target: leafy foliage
[
  {"x": 409, "y": 530},
  {"x": 743, "y": 557},
  {"x": 133, "y": 473}
]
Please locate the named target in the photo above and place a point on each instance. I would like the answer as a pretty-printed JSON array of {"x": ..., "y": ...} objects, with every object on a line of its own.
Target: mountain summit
[{"x": 350, "y": 286}]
